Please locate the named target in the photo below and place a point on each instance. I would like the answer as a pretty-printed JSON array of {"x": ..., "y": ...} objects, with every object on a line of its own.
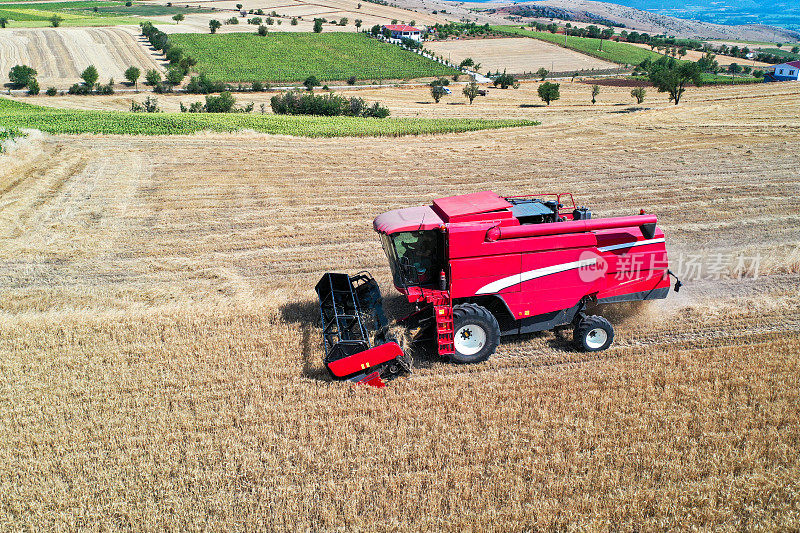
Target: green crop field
[
  {"x": 15, "y": 114},
  {"x": 82, "y": 12},
  {"x": 787, "y": 54},
  {"x": 291, "y": 57},
  {"x": 717, "y": 79},
  {"x": 23, "y": 16},
  {"x": 613, "y": 51}
]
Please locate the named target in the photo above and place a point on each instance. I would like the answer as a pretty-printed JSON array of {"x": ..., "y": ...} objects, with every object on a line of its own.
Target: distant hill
[
  {"x": 748, "y": 20},
  {"x": 729, "y": 12},
  {"x": 687, "y": 22}
]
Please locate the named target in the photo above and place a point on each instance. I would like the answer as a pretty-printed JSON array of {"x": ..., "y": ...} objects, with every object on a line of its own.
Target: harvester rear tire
[
  {"x": 476, "y": 333},
  {"x": 593, "y": 334}
]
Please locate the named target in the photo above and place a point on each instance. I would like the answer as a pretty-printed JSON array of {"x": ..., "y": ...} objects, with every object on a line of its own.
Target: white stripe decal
[
  {"x": 630, "y": 244},
  {"x": 516, "y": 279}
]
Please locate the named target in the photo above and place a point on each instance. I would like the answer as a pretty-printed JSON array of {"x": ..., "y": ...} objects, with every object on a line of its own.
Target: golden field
[
  {"x": 160, "y": 358},
  {"x": 60, "y": 55},
  {"x": 516, "y": 55}
]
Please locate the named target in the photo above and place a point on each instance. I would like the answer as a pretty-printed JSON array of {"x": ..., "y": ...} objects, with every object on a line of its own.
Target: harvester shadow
[
  {"x": 558, "y": 340},
  {"x": 306, "y": 315}
]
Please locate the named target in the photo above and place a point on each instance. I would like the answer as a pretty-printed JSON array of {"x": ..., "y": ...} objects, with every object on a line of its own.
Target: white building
[
  {"x": 786, "y": 71},
  {"x": 403, "y": 31}
]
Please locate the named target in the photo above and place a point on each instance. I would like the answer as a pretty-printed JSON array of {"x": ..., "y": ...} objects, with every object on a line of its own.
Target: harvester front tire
[
  {"x": 476, "y": 333},
  {"x": 593, "y": 334}
]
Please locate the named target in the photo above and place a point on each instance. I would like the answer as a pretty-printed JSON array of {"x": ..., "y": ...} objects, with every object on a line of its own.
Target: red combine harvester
[{"x": 480, "y": 266}]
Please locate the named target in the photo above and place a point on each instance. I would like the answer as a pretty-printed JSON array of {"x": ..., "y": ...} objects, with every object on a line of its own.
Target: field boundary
[
  {"x": 614, "y": 52},
  {"x": 74, "y": 121}
]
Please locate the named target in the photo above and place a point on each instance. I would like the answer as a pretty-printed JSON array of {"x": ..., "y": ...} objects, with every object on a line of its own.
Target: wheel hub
[
  {"x": 596, "y": 338},
  {"x": 470, "y": 339}
]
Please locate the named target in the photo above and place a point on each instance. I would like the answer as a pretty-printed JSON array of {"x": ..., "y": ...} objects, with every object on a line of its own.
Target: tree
[
  {"x": 132, "y": 75},
  {"x": 317, "y": 25},
  {"x": 471, "y": 91},
  {"x": 358, "y": 23},
  {"x": 89, "y": 76},
  {"x": 639, "y": 93},
  {"x": 214, "y": 25},
  {"x": 796, "y": 49},
  {"x": 239, "y": 7},
  {"x": 437, "y": 91},
  {"x": 542, "y": 73},
  {"x": 3, "y": 22},
  {"x": 707, "y": 63},
  {"x": 56, "y": 21},
  {"x": 468, "y": 62},
  {"x": 549, "y": 92},
  {"x": 33, "y": 86},
  {"x": 220, "y": 104},
  {"x": 311, "y": 82},
  {"x": 177, "y": 18},
  {"x": 505, "y": 81},
  {"x": 262, "y": 30},
  {"x": 595, "y": 92},
  {"x": 734, "y": 69},
  {"x": 20, "y": 75},
  {"x": 175, "y": 75},
  {"x": 174, "y": 55},
  {"x": 153, "y": 77},
  {"x": 605, "y": 34},
  {"x": 672, "y": 77}
]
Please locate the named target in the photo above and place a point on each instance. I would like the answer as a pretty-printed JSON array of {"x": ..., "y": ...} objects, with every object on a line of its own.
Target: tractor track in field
[{"x": 710, "y": 338}]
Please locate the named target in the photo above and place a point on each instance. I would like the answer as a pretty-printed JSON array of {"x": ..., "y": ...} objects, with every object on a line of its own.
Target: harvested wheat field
[
  {"x": 516, "y": 55},
  {"x": 59, "y": 55},
  {"x": 161, "y": 361}
]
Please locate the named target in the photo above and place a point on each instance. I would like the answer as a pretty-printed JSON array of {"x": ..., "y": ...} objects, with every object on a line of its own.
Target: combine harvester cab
[{"x": 481, "y": 266}]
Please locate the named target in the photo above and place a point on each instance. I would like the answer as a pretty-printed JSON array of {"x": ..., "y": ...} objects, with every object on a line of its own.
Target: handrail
[
  {"x": 558, "y": 199},
  {"x": 574, "y": 226}
]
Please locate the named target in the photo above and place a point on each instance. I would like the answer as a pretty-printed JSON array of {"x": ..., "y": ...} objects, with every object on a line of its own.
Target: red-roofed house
[
  {"x": 403, "y": 31},
  {"x": 786, "y": 71}
]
